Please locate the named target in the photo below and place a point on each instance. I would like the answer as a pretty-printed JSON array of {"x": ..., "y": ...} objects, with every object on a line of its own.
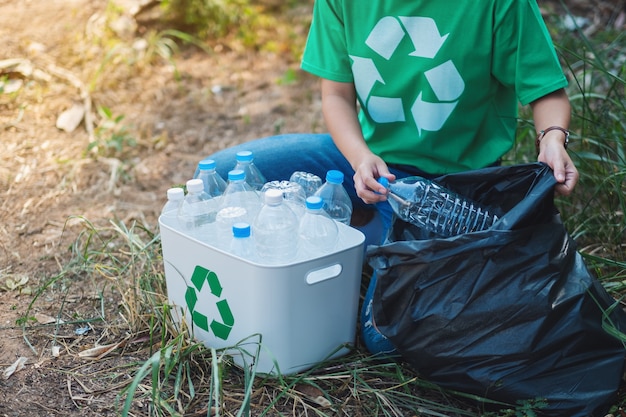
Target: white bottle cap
[
  {"x": 175, "y": 193},
  {"x": 195, "y": 185},
  {"x": 273, "y": 197}
]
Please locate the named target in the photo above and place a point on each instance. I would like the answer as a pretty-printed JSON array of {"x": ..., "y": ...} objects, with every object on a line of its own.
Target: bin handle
[{"x": 323, "y": 274}]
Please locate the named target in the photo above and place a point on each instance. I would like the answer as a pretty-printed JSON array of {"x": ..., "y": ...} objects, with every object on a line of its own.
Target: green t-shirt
[{"x": 438, "y": 82}]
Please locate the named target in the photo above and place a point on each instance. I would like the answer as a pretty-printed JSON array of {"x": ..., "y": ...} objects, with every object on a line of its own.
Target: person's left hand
[{"x": 553, "y": 153}]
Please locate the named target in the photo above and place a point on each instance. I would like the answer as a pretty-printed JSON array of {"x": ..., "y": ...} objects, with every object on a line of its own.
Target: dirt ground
[{"x": 177, "y": 113}]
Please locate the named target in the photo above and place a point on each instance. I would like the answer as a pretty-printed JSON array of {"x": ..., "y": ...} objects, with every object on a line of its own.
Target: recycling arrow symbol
[
  {"x": 444, "y": 79},
  {"x": 198, "y": 278}
]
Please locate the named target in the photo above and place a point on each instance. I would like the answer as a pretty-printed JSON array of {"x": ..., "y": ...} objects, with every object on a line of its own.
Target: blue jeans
[{"x": 277, "y": 157}]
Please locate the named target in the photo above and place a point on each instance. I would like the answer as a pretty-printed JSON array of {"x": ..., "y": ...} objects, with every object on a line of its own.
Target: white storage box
[{"x": 293, "y": 316}]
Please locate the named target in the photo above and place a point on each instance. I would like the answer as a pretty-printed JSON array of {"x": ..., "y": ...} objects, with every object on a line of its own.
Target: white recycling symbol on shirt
[{"x": 444, "y": 79}]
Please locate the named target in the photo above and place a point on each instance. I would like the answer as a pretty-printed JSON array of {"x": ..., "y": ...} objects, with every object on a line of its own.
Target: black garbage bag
[{"x": 510, "y": 314}]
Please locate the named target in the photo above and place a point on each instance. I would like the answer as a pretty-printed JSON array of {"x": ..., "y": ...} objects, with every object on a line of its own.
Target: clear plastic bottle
[
  {"x": 337, "y": 203},
  {"x": 310, "y": 183},
  {"x": 175, "y": 197},
  {"x": 427, "y": 204},
  {"x": 317, "y": 231},
  {"x": 214, "y": 184},
  {"x": 292, "y": 193},
  {"x": 239, "y": 203},
  {"x": 239, "y": 193},
  {"x": 197, "y": 210},
  {"x": 242, "y": 244},
  {"x": 245, "y": 162},
  {"x": 275, "y": 230}
]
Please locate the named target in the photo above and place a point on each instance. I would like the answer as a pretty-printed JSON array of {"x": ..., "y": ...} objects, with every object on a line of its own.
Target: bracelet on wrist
[{"x": 543, "y": 132}]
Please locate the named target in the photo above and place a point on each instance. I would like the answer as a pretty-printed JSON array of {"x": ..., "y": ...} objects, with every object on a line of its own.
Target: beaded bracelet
[{"x": 543, "y": 132}]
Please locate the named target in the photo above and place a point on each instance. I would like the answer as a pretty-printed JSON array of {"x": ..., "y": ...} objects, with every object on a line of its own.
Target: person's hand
[
  {"x": 550, "y": 112},
  {"x": 366, "y": 174},
  {"x": 553, "y": 153}
]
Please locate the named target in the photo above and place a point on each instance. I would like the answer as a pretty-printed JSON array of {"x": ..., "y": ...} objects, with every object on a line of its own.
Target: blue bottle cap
[
  {"x": 241, "y": 230},
  {"x": 207, "y": 164},
  {"x": 236, "y": 174},
  {"x": 314, "y": 202},
  {"x": 334, "y": 176},
  {"x": 244, "y": 156},
  {"x": 384, "y": 182}
]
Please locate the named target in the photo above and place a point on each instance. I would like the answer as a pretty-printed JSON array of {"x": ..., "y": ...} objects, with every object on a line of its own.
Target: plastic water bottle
[
  {"x": 427, "y": 204},
  {"x": 225, "y": 218},
  {"x": 239, "y": 193},
  {"x": 242, "y": 244},
  {"x": 245, "y": 162},
  {"x": 317, "y": 231},
  {"x": 175, "y": 197},
  {"x": 292, "y": 193},
  {"x": 239, "y": 203},
  {"x": 275, "y": 230},
  {"x": 310, "y": 183},
  {"x": 337, "y": 203},
  {"x": 214, "y": 184},
  {"x": 197, "y": 211}
]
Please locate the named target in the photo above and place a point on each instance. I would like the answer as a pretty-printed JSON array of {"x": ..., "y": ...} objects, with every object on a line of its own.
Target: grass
[
  {"x": 594, "y": 214},
  {"x": 179, "y": 376},
  {"x": 182, "y": 377},
  {"x": 152, "y": 367}
]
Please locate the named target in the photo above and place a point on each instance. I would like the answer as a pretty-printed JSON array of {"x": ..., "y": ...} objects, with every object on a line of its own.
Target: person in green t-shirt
[
  {"x": 437, "y": 85},
  {"x": 421, "y": 88}
]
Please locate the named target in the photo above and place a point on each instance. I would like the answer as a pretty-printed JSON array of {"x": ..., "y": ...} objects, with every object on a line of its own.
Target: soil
[{"x": 52, "y": 184}]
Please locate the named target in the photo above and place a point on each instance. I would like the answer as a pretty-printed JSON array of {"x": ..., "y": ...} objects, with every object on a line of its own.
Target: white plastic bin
[{"x": 294, "y": 316}]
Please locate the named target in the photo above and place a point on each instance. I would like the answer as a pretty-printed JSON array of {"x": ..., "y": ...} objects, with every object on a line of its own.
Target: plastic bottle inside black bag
[{"x": 426, "y": 204}]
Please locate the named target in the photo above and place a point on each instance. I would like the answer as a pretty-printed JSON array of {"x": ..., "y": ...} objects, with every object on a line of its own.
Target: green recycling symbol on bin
[
  {"x": 443, "y": 79},
  {"x": 221, "y": 328}
]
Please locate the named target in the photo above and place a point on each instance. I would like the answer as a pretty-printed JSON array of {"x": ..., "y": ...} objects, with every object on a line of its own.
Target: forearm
[
  {"x": 340, "y": 115},
  {"x": 551, "y": 110}
]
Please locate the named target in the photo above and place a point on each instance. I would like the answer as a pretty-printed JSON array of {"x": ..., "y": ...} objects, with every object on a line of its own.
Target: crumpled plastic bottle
[
  {"x": 310, "y": 183},
  {"x": 293, "y": 194},
  {"x": 426, "y": 204}
]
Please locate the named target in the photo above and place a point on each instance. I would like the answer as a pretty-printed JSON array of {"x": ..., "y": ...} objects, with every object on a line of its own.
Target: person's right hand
[{"x": 366, "y": 174}]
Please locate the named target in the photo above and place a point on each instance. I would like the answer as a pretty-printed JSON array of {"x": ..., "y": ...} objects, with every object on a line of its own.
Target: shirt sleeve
[
  {"x": 325, "y": 53},
  {"x": 524, "y": 57}
]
